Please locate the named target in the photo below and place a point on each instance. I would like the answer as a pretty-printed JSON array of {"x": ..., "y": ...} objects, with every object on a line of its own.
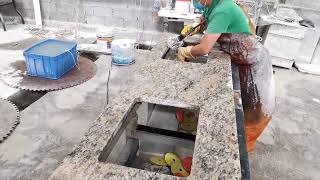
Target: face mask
[{"x": 198, "y": 5}]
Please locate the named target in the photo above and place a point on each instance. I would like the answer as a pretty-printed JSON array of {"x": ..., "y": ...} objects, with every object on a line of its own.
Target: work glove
[
  {"x": 185, "y": 53},
  {"x": 186, "y": 30}
]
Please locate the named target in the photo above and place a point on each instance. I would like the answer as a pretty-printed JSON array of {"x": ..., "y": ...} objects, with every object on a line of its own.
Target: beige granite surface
[{"x": 151, "y": 79}]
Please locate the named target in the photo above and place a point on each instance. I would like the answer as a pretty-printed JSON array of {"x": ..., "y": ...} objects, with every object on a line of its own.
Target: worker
[{"x": 228, "y": 25}]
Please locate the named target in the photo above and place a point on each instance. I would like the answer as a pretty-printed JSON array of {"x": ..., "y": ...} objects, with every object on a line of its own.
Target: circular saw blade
[
  {"x": 9, "y": 118},
  {"x": 17, "y": 77}
]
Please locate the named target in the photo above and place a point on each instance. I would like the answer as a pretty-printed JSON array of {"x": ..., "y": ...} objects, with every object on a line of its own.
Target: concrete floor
[
  {"x": 51, "y": 126},
  {"x": 290, "y": 146},
  {"x": 288, "y": 149}
]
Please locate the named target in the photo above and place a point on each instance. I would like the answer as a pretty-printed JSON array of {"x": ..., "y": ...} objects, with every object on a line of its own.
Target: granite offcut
[{"x": 167, "y": 82}]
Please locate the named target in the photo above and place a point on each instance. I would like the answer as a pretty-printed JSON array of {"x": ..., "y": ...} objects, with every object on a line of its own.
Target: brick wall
[{"x": 119, "y": 13}]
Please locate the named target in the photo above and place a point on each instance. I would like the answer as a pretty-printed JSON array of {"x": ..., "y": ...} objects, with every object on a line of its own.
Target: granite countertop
[{"x": 166, "y": 82}]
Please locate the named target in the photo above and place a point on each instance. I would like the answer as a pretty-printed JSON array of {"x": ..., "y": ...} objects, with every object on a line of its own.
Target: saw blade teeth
[
  {"x": 89, "y": 67},
  {"x": 16, "y": 121}
]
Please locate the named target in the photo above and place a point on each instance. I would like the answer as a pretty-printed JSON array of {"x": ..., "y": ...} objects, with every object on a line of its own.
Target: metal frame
[
  {"x": 244, "y": 157},
  {"x": 13, "y": 3}
]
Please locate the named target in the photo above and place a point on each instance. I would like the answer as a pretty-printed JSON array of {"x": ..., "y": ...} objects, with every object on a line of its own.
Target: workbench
[
  {"x": 53, "y": 122},
  {"x": 172, "y": 15},
  {"x": 177, "y": 19},
  {"x": 152, "y": 79}
]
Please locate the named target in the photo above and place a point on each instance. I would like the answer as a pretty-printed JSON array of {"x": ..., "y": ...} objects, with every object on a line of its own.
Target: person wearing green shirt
[{"x": 227, "y": 24}]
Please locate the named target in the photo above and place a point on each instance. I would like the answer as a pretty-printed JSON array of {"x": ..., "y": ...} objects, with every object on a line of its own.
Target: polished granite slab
[{"x": 154, "y": 80}]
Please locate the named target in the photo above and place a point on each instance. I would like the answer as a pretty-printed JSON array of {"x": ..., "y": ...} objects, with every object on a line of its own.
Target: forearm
[
  {"x": 205, "y": 46},
  {"x": 199, "y": 50}
]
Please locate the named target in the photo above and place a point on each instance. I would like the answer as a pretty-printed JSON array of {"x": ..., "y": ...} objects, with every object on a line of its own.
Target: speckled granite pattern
[{"x": 208, "y": 86}]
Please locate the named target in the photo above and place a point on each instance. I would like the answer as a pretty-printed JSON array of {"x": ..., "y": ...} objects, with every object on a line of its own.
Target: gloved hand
[
  {"x": 188, "y": 28},
  {"x": 185, "y": 53}
]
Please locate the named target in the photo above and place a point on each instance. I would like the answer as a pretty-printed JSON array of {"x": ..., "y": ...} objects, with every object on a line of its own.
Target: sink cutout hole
[
  {"x": 152, "y": 130},
  {"x": 173, "y": 55},
  {"x": 144, "y": 46}
]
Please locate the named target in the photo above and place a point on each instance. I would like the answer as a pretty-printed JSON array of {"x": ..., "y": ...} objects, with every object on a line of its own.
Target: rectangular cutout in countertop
[
  {"x": 171, "y": 54},
  {"x": 144, "y": 46},
  {"x": 151, "y": 130}
]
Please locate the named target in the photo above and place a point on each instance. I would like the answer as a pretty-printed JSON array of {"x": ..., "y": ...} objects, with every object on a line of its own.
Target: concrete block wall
[
  {"x": 24, "y": 6},
  {"x": 313, "y": 4},
  {"x": 119, "y": 13}
]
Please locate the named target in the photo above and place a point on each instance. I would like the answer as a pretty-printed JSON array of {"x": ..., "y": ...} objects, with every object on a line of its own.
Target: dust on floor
[{"x": 290, "y": 147}]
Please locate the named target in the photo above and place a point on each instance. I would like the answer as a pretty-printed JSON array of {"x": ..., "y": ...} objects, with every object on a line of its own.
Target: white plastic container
[
  {"x": 183, "y": 6},
  {"x": 123, "y": 51}
]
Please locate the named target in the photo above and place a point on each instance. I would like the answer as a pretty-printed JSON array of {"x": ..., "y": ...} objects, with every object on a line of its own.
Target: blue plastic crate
[{"x": 51, "y": 58}]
